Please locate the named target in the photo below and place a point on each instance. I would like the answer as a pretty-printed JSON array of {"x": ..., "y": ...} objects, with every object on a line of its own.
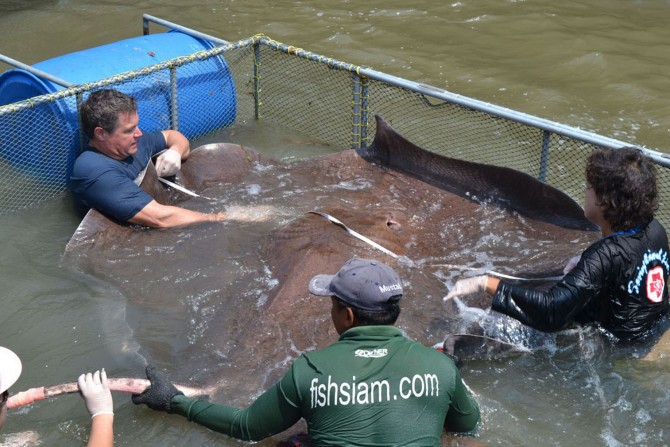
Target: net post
[
  {"x": 257, "y": 80},
  {"x": 544, "y": 157}
]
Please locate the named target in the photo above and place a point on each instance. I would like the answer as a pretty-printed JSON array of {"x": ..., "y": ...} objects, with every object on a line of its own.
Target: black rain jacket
[{"x": 619, "y": 283}]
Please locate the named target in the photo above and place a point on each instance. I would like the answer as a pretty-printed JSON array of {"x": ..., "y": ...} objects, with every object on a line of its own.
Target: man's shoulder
[
  {"x": 91, "y": 161},
  {"x": 154, "y": 140},
  {"x": 91, "y": 154}
]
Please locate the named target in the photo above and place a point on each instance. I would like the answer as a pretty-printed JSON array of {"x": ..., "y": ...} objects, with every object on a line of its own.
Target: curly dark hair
[
  {"x": 102, "y": 109},
  {"x": 624, "y": 182},
  {"x": 375, "y": 317}
]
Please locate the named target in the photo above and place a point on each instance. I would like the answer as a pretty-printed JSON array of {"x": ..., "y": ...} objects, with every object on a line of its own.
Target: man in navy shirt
[{"x": 103, "y": 175}]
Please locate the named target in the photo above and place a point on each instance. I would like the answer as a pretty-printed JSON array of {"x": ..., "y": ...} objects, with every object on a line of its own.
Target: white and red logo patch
[{"x": 655, "y": 285}]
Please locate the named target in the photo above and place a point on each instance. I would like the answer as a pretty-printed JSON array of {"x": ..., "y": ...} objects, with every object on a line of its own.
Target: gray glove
[
  {"x": 159, "y": 395},
  {"x": 467, "y": 286},
  {"x": 168, "y": 163},
  {"x": 96, "y": 393}
]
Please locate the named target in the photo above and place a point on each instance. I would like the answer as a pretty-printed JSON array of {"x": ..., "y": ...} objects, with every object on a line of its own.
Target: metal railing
[{"x": 331, "y": 101}]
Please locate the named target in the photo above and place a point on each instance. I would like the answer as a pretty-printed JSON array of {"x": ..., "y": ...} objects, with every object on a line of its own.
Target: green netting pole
[
  {"x": 257, "y": 80},
  {"x": 356, "y": 113},
  {"x": 174, "y": 111},
  {"x": 359, "y": 124},
  {"x": 80, "y": 101},
  {"x": 364, "y": 112},
  {"x": 544, "y": 159}
]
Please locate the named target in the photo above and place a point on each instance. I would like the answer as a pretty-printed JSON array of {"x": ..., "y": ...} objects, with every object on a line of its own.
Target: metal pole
[
  {"x": 35, "y": 71},
  {"x": 191, "y": 32},
  {"x": 174, "y": 111},
  {"x": 82, "y": 137},
  {"x": 501, "y": 112},
  {"x": 544, "y": 157}
]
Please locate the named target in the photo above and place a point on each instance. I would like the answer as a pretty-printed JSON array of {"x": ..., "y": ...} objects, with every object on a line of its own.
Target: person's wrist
[
  {"x": 103, "y": 413},
  {"x": 491, "y": 285},
  {"x": 217, "y": 217}
]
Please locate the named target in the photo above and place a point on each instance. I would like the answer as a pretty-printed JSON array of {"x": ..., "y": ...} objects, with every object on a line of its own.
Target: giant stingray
[{"x": 232, "y": 298}]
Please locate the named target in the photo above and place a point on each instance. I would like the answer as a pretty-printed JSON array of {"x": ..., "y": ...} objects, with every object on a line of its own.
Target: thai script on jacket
[
  {"x": 649, "y": 258},
  {"x": 363, "y": 393}
]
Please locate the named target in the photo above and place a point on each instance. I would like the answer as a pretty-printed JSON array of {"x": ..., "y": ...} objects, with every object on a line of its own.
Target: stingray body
[{"x": 232, "y": 298}]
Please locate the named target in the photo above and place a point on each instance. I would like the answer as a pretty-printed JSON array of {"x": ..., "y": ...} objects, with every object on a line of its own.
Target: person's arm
[
  {"x": 545, "y": 311},
  {"x": 176, "y": 141},
  {"x": 491, "y": 285},
  {"x": 178, "y": 150},
  {"x": 102, "y": 431},
  {"x": 98, "y": 398},
  {"x": 165, "y": 216},
  {"x": 271, "y": 413},
  {"x": 463, "y": 415},
  {"x": 548, "y": 311}
]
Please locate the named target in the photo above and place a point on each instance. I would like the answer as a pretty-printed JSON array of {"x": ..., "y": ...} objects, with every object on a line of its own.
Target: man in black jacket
[{"x": 619, "y": 282}]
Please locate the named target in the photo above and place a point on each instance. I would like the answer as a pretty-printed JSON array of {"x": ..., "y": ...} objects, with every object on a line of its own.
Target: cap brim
[
  {"x": 320, "y": 285},
  {"x": 10, "y": 369}
]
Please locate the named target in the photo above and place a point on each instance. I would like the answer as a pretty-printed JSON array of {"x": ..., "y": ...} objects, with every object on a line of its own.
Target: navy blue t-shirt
[{"x": 107, "y": 185}]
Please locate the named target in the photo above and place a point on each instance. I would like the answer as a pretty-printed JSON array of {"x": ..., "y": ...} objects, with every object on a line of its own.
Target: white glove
[
  {"x": 571, "y": 264},
  {"x": 467, "y": 286},
  {"x": 168, "y": 163},
  {"x": 95, "y": 391}
]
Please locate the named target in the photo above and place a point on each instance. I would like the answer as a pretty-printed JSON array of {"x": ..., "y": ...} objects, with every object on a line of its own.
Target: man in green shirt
[{"x": 373, "y": 387}]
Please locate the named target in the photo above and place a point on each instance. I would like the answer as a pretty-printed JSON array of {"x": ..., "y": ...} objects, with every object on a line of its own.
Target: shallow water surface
[
  {"x": 211, "y": 299},
  {"x": 600, "y": 66}
]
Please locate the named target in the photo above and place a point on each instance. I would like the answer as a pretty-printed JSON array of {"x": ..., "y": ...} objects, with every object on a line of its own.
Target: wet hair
[
  {"x": 366, "y": 317},
  {"x": 102, "y": 109},
  {"x": 624, "y": 182}
]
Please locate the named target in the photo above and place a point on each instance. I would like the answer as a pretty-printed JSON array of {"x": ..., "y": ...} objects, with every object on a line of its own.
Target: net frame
[{"x": 304, "y": 92}]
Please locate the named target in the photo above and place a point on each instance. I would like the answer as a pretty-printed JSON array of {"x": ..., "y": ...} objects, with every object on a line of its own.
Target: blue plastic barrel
[{"x": 205, "y": 92}]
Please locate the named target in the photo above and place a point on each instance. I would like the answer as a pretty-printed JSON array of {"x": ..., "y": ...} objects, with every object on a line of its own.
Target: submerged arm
[
  {"x": 463, "y": 414},
  {"x": 164, "y": 216},
  {"x": 269, "y": 414},
  {"x": 556, "y": 308}
]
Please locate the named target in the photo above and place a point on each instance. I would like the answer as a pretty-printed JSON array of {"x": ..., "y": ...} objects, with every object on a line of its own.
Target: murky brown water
[{"x": 599, "y": 65}]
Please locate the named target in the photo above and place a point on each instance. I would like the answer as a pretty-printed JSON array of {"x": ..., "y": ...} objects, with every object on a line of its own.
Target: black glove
[{"x": 159, "y": 395}]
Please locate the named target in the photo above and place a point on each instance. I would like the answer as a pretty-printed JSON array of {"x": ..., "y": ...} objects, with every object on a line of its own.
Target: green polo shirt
[{"x": 374, "y": 387}]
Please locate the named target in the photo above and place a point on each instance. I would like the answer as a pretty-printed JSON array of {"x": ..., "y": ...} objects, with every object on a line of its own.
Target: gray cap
[{"x": 363, "y": 283}]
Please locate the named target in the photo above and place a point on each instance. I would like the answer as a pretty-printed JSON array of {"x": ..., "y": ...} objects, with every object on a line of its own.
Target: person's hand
[
  {"x": 95, "y": 391},
  {"x": 159, "y": 395},
  {"x": 467, "y": 286},
  {"x": 571, "y": 264},
  {"x": 168, "y": 163},
  {"x": 259, "y": 213},
  {"x": 219, "y": 217}
]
